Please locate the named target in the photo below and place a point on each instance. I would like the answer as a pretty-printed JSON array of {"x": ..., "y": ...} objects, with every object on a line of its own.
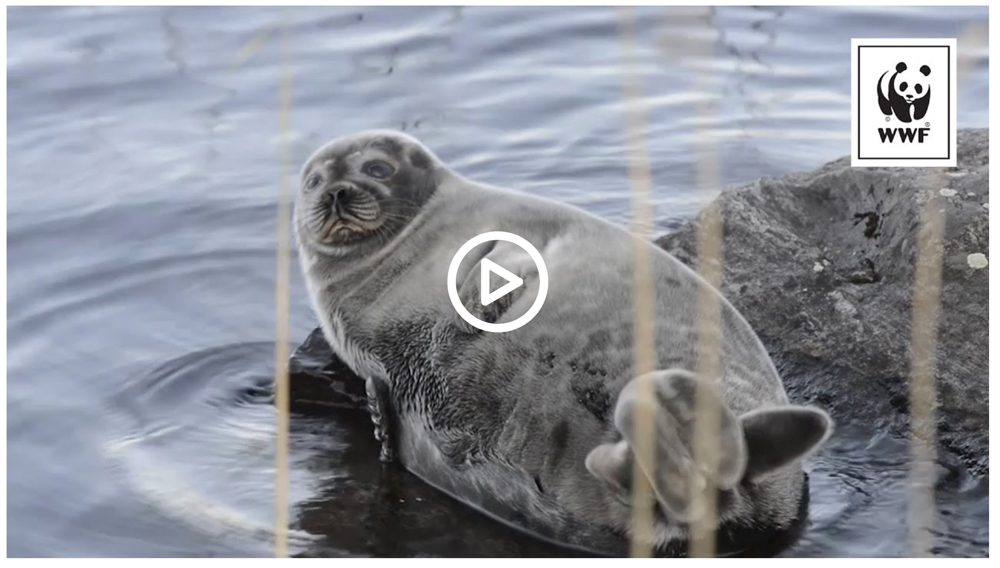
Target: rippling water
[{"x": 142, "y": 175}]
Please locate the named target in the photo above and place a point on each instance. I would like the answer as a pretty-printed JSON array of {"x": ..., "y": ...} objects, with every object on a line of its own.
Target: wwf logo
[
  {"x": 894, "y": 122},
  {"x": 906, "y": 94}
]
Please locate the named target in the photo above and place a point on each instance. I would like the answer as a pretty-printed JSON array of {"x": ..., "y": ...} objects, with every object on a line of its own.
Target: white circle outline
[{"x": 452, "y": 283}]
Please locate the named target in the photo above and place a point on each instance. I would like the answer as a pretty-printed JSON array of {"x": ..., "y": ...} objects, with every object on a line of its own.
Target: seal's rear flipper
[
  {"x": 751, "y": 447},
  {"x": 670, "y": 466},
  {"x": 781, "y": 436}
]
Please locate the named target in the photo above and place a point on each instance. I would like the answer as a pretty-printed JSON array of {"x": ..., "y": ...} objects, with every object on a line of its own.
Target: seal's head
[{"x": 358, "y": 192}]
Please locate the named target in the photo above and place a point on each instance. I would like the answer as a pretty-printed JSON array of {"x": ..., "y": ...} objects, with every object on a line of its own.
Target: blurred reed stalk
[
  {"x": 923, "y": 399},
  {"x": 681, "y": 48},
  {"x": 923, "y": 330},
  {"x": 709, "y": 266},
  {"x": 251, "y": 47},
  {"x": 643, "y": 291},
  {"x": 282, "y": 272}
]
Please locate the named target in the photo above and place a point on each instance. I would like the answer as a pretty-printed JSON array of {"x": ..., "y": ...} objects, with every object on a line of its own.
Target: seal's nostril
[
  {"x": 335, "y": 195},
  {"x": 340, "y": 196}
]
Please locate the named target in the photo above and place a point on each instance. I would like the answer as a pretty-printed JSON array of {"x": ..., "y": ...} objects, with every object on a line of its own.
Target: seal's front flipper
[
  {"x": 378, "y": 406},
  {"x": 670, "y": 466}
]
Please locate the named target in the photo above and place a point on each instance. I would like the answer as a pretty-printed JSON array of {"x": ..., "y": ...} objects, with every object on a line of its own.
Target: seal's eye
[
  {"x": 378, "y": 169},
  {"x": 312, "y": 182}
]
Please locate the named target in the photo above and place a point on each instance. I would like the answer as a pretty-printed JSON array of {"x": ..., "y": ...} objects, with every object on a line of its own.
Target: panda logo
[{"x": 907, "y": 93}]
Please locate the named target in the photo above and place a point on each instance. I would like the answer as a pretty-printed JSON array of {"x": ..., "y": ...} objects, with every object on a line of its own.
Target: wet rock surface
[{"x": 822, "y": 266}]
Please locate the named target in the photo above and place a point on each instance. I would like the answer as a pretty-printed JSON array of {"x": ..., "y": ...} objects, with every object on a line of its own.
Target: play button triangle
[{"x": 512, "y": 281}]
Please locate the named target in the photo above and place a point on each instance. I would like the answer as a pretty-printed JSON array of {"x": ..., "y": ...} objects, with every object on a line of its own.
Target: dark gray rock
[{"x": 822, "y": 266}]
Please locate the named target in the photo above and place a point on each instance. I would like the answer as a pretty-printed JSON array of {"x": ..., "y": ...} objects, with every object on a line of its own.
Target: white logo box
[{"x": 903, "y": 102}]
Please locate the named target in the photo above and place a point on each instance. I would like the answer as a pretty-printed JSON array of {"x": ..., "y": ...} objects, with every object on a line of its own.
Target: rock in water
[
  {"x": 320, "y": 381},
  {"x": 822, "y": 266}
]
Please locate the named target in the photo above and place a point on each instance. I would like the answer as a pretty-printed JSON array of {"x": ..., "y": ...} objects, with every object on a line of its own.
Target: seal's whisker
[
  {"x": 396, "y": 216},
  {"x": 383, "y": 235},
  {"x": 398, "y": 200}
]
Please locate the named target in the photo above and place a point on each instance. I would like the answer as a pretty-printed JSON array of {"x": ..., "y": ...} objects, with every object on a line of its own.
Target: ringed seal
[{"x": 534, "y": 426}]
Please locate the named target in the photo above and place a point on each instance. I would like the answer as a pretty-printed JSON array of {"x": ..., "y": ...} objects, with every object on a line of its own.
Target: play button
[
  {"x": 490, "y": 271},
  {"x": 489, "y": 267}
]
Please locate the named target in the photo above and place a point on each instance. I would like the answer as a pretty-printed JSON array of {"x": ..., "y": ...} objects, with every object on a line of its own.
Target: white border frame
[{"x": 994, "y": 34}]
